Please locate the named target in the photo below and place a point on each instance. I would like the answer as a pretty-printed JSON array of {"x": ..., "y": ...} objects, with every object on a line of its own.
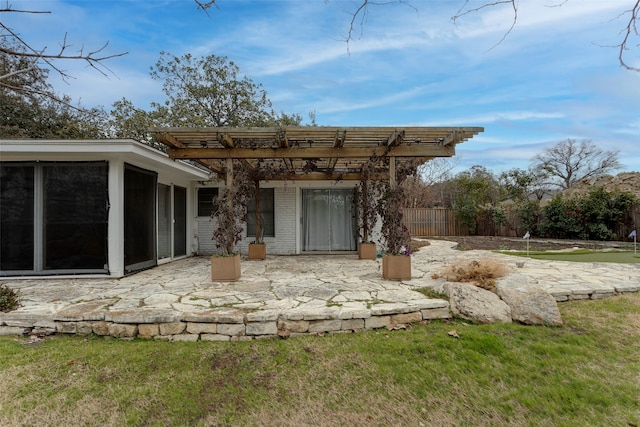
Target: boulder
[
  {"x": 476, "y": 304},
  {"x": 529, "y": 305}
]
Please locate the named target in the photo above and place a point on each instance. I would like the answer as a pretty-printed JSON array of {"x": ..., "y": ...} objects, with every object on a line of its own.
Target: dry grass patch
[{"x": 483, "y": 273}]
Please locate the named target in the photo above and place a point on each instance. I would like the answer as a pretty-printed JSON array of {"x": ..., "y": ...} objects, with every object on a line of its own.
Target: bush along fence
[{"x": 562, "y": 221}]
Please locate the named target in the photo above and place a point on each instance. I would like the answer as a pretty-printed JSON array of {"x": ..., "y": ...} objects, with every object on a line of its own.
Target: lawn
[
  {"x": 584, "y": 373},
  {"x": 583, "y": 255}
]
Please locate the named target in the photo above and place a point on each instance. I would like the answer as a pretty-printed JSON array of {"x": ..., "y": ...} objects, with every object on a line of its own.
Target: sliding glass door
[
  {"x": 328, "y": 220},
  {"x": 140, "y": 189},
  {"x": 54, "y": 218}
]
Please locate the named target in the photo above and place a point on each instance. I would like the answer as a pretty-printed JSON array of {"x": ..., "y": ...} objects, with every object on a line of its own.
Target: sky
[{"x": 554, "y": 76}]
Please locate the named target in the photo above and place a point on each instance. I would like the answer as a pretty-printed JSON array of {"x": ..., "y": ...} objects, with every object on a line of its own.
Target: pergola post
[
  {"x": 392, "y": 171},
  {"x": 229, "y": 180}
]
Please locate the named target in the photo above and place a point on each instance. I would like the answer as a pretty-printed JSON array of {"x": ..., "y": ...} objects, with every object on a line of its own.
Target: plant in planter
[
  {"x": 366, "y": 213},
  {"x": 257, "y": 249},
  {"x": 396, "y": 262},
  {"x": 230, "y": 213},
  {"x": 253, "y": 175}
]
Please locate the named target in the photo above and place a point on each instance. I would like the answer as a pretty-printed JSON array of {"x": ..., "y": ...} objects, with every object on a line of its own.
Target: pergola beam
[
  {"x": 395, "y": 139},
  {"x": 311, "y": 152},
  {"x": 326, "y": 176},
  {"x": 452, "y": 138},
  {"x": 169, "y": 140},
  {"x": 225, "y": 140}
]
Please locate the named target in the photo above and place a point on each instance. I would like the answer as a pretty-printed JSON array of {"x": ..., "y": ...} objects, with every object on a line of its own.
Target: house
[
  {"x": 113, "y": 207},
  {"x": 106, "y": 207}
]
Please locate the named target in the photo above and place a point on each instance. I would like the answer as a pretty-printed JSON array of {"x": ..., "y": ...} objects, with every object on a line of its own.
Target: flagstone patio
[{"x": 281, "y": 296}]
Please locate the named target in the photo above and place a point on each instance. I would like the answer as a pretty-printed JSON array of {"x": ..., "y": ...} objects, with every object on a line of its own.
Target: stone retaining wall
[{"x": 224, "y": 324}]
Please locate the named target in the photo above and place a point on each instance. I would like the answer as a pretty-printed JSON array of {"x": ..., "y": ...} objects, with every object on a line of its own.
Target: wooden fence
[
  {"x": 442, "y": 222},
  {"x": 433, "y": 222}
]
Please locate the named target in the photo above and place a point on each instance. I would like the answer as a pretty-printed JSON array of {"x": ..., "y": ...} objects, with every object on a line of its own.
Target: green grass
[
  {"x": 584, "y": 373},
  {"x": 584, "y": 255}
]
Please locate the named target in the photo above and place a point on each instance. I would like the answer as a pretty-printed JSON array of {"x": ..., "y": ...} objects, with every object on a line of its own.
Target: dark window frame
[
  {"x": 267, "y": 209},
  {"x": 206, "y": 206}
]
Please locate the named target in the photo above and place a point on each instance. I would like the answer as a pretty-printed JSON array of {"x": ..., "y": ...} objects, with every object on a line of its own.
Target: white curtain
[{"x": 328, "y": 220}]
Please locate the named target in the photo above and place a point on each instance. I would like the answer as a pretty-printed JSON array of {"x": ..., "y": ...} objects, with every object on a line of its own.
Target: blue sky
[{"x": 552, "y": 78}]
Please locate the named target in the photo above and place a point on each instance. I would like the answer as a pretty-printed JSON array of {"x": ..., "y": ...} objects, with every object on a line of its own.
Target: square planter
[
  {"x": 225, "y": 268},
  {"x": 396, "y": 267},
  {"x": 367, "y": 251},
  {"x": 257, "y": 251}
]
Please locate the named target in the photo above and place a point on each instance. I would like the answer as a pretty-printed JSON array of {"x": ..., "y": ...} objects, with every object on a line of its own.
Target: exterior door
[
  {"x": 140, "y": 189},
  {"x": 179, "y": 221},
  {"x": 328, "y": 220}
]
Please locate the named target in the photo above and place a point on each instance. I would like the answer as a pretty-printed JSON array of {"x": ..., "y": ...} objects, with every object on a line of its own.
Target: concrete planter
[
  {"x": 225, "y": 268},
  {"x": 367, "y": 251},
  {"x": 396, "y": 267},
  {"x": 257, "y": 251}
]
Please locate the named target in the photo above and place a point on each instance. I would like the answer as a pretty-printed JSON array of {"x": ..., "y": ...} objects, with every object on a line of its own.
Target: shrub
[
  {"x": 9, "y": 299},
  {"x": 482, "y": 273},
  {"x": 529, "y": 213},
  {"x": 594, "y": 216}
]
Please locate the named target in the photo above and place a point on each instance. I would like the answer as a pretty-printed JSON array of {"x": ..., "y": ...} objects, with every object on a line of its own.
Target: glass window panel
[
  {"x": 328, "y": 220},
  {"x": 205, "y": 201},
  {"x": 164, "y": 221},
  {"x": 180, "y": 221},
  {"x": 267, "y": 211},
  {"x": 139, "y": 218},
  {"x": 17, "y": 217},
  {"x": 75, "y": 216}
]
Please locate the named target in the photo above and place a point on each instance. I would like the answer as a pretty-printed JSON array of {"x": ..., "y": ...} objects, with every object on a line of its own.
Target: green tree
[
  {"x": 209, "y": 91},
  {"x": 476, "y": 193},
  {"x": 200, "y": 92},
  {"x": 524, "y": 185},
  {"x": 525, "y": 188}
]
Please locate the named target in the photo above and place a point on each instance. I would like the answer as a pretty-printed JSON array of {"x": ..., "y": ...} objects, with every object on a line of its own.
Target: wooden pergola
[{"x": 314, "y": 152}]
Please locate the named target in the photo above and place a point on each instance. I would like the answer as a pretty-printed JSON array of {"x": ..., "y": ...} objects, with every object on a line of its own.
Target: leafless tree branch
[
  {"x": 462, "y": 12},
  {"x": 630, "y": 29},
  {"x": 359, "y": 16},
  {"x": 205, "y": 5},
  {"x": 18, "y": 47},
  {"x": 7, "y": 8}
]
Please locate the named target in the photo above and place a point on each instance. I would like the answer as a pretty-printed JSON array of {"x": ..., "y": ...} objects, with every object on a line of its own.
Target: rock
[
  {"x": 529, "y": 305},
  {"x": 478, "y": 305},
  {"x": 123, "y": 330},
  {"x": 11, "y": 330},
  {"x": 172, "y": 328},
  {"x": 90, "y": 310},
  {"x": 325, "y": 325},
  {"x": 261, "y": 328},
  {"x": 377, "y": 322}
]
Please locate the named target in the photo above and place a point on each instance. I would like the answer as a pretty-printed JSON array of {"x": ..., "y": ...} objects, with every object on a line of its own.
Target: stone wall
[{"x": 225, "y": 324}]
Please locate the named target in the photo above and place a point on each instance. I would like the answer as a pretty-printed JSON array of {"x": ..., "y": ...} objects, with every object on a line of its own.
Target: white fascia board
[{"x": 87, "y": 150}]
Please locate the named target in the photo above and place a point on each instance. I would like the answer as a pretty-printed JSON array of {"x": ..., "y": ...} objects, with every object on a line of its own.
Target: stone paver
[{"x": 292, "y": 294}]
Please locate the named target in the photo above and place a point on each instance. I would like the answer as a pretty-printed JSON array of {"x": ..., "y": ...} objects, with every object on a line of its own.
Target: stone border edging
[{"x": 224, "y": 324}]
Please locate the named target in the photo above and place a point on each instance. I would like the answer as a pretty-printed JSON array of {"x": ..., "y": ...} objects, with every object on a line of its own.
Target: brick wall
[{"x": 284, "y": 242}]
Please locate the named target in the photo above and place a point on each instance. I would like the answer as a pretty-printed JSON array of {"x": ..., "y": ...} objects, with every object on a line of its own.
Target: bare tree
[
  {"x": 14, "y": 45},
  {"x": 628, "y": 32},
  {"x": 570, "y": 161}
]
